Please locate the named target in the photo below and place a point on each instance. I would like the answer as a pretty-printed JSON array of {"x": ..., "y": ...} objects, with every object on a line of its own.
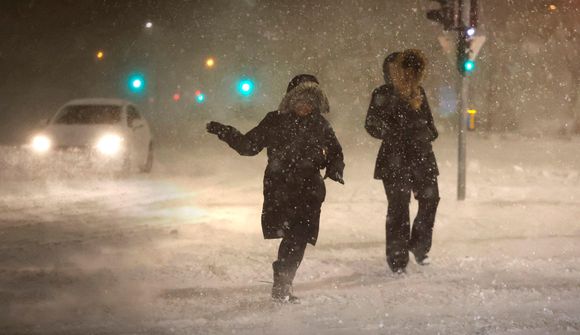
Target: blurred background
[
  {"x": 192, "y": 55},
  {"x": 180, "y": 250}
]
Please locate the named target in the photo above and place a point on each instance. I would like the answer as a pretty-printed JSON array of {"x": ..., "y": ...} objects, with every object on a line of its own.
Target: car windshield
[{"x": 90, "y": 114}]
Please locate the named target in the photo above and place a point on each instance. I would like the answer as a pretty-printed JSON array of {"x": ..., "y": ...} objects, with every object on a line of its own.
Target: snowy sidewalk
[{"x": 180, "y": 252}]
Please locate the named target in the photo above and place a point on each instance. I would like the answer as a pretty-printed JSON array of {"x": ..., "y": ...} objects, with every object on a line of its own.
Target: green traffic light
[
  {"x": 245, "y": 87},
  {"x": 469, "y": 66},
  {"x": 136, "y": 83}
]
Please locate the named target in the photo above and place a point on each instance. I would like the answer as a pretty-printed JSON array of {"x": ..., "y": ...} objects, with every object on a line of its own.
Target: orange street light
[{"x": 210, "y": 62}]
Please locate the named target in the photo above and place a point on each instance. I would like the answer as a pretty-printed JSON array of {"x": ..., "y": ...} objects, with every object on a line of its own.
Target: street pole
[
  {"x": 461, "y": 139},
  {"x": 462, "y": 106},
  {"x": 460, "y": 16}
]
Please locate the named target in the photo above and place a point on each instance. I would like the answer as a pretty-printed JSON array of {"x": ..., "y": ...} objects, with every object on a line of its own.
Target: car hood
[{"x": 80, "y": 135}]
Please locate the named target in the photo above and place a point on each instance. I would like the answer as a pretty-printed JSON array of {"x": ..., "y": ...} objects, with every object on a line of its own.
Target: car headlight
[
  {"x": 41, "y": 143},
  {"x": 110, "y": 144}
]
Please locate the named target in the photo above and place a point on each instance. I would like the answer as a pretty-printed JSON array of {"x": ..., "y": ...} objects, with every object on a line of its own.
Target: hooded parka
[
  {"x": 406, "y": 135},
  {"x": 298, "y": 147},
  {"x": 399, "y": 115}
]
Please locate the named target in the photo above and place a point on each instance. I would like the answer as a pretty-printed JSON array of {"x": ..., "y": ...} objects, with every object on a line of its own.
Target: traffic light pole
[
  {"x": 461, "y": 138},
  {"x": 461, "y": 16},
  {"x": 464, "y": 12}
]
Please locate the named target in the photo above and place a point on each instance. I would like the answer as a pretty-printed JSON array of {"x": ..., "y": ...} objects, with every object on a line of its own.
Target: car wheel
[{"x": 148, "y": 166}]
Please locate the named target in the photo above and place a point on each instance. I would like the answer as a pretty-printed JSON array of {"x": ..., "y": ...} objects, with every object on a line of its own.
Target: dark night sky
[{"x": 47, "y": 49}]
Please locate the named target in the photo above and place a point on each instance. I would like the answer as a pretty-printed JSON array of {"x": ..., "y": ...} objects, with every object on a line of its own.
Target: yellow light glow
[
  {"x": 210, "y": 62},
  {"x": 110, "y": 144},
  {"x": 552, "y": 7},
  {"x": 41, "y": 143},
  {"x": 100, "y": 55},
  {"x": 472, "y": 111}
]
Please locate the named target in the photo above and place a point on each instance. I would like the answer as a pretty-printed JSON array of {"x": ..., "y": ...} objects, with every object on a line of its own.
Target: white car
[{"x": 100, "y": 131}]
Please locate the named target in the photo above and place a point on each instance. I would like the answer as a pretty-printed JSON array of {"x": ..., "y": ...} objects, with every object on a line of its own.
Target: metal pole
[
  {"x": 464, "y": 10},
  {"x": 461, "y": 139}
]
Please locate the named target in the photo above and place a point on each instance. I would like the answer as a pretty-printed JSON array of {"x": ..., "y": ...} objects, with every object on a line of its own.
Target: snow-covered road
[{"x": 181, "y": 252}]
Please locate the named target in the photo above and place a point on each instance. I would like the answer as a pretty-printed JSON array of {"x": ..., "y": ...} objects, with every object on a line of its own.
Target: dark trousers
[
  {"x": 401, "y": 238},
  {"x": 290, "y": 255}
]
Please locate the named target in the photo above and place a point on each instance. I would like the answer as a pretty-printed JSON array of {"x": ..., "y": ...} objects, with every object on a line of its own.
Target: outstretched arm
[{"x": 248, "y": 144}]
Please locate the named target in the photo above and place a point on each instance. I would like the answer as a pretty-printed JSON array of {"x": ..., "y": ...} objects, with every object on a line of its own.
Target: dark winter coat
[
  {"x": 406, "y": 150},
  {"x": 298, "y": 148}
]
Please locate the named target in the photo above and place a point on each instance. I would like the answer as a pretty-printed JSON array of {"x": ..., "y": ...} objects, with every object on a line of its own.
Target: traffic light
[
  {"x": 470, "y": 31},
  {"x": 465, "y": 65},
  {"x": 176, "y": 97},
  {"x": 447, "y": 14},
  {"x": 199, "y": 97},
  {"x": 137, "y": 83},
  {"x": 469, "y": 65},
  {"x": 246, "y": 87}
]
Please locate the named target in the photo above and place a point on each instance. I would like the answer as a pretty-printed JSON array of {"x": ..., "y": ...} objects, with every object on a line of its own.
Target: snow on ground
[{"x": 181, "y": 252}]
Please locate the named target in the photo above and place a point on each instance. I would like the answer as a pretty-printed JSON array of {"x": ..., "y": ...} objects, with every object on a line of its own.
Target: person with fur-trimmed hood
[
  {"x": 300, "y": 142},
  {"x": 399, "y": 116}
]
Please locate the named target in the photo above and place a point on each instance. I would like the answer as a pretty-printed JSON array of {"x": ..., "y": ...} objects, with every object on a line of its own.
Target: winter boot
[
  {"x": 420, "y": 258},
  {"x": 396, "y": 270},
  {"x": 282, "y": 287}
]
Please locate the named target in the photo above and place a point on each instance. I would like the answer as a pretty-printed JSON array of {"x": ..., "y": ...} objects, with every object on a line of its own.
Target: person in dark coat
[
  {"x": 399, "y": 116},
  {"x": 300, "y": 142}
]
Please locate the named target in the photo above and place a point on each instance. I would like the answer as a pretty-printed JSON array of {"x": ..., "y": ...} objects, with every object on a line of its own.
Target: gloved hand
[
  {"x": 215, "y": 128},
  {"x": 334, "y": 175}
]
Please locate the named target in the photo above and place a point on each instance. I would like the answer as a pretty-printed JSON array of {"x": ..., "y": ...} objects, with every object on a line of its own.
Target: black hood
[
  {"x": 309, "y": 91},
  {"x": 299, "y": 79}
]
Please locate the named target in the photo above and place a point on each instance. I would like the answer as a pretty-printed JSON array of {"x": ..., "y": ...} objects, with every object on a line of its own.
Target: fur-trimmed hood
[
  {"x": 305, "y": 92},
  {"x": 407, "y": 74}
]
